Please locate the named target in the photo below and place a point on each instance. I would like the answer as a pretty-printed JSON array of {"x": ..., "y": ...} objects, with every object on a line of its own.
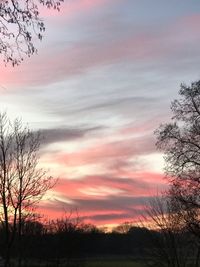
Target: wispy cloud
[{"x": 102, "y": 82}]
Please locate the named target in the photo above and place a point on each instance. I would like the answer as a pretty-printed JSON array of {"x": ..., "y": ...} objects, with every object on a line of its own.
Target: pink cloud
[
  {"x": 189, "y": 22},
  {"x": 74, "y": 8},
  {"x": 58, "y": 63},
  {"x": 101, "y": 152},
  {"x": 118, "y": 191},
  {"x": 133, "y": 194},
  {"x": 50, "y": 211},
  {"x": 132, "y": 183}
]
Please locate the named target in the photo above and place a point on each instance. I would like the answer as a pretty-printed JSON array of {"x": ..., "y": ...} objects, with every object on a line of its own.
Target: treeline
[{"x": 62, "y": 241}]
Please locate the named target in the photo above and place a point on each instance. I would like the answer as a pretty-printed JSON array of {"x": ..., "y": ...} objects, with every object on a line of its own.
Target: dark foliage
[{"x": 45, "y": 243}]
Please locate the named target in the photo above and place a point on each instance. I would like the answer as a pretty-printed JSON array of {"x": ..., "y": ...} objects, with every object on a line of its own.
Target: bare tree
[
  {"x": 172, "y": 246},
  {"x": 22, "y": 183},
  {"x": 180, "y": 142},
  {"x": 20, "y": 23},
  {"x": 123, "y": 228}
]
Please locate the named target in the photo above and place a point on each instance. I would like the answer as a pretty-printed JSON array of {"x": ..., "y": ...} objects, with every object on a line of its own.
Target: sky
[{"x": 101, "y": 83}]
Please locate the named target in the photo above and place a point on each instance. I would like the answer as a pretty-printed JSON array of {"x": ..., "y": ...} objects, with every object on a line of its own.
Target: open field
[
  {"x": 89, "y": 263},
  {"x": 113, "y": 263},
  {"x": 100, "y": 262}
]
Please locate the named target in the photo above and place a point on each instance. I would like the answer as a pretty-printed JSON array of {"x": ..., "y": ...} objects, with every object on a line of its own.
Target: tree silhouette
[
  {"x": 22, "y": 182},
  {"x": 172, "y": 245},
  {"x": 20, "y": 24},
  {"x": 180, "y": 142}
]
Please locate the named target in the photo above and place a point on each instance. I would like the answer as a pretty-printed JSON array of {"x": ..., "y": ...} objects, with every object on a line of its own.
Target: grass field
[
  {"x": 88, "y": 263},
  {"x": 113, "y": 263}
]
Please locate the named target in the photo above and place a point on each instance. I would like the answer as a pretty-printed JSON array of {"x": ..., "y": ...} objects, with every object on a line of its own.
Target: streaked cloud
[
  {"x": 102, "y": 82},
  {"x": 55, "y": 135}
]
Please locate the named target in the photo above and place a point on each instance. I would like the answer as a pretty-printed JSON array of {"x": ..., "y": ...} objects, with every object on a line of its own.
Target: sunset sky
[{"x": 102, "y": 82}]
